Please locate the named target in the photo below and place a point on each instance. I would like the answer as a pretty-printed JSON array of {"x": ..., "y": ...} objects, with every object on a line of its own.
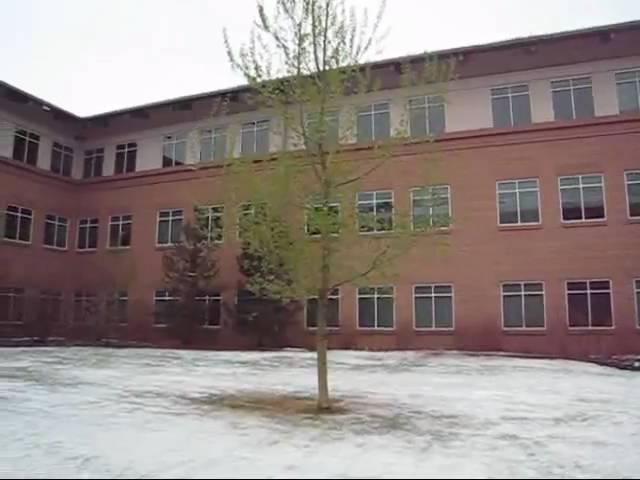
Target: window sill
[
  {"x": 11, "y": 323},
  {"x": 15, "y": 243},
  {"x": 634, "y": 220},
  {"x": 210, "y": 327},
  {"x": 591, "y": 331},
  {"x": 530, "y": 226},
  {"x": 166, "y": 247},
  {"x": 433, "y": 231},
  {"x": 118, "y": 249},
  {"x": 585, "y": 223},
  {"x": 157, "y": 325},
  {"x": 86, "y": 250},
  {"x": 376, "y": 331},
  {"x": 439, "y": 332},
  {"x": 330, "y": 330},
  {"x": 525, "y": 331},
  {"x": 55, "y": 249}
]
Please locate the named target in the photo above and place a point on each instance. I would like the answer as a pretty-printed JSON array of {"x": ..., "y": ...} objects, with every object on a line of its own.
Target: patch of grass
[{"x": 276, "y": 403}]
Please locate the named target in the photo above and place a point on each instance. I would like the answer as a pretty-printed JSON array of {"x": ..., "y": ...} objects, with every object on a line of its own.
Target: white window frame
[
  {"x": 571, "y": 88},
  {"x": 588, "y": 292},
  {"x": 317, "y": 205},
  {"x": 375, "y": 297},
  {"x": 120, "y": 223},
  {"x": 212, "y": 135},
  {"x": 636, "y": 290},
  {"x": 83, "y": 297},
  {"x": 412, "y": 197},
  {"x": 89, "y": 222},
  {"x": 375, "y": 211},
  {"x": 56, "y": 222},
  {"x": 116, "y": 297},
  {"x": 427, "y": 113},
  {"x": 92, "y": 159},
  {"x": 522, "y": 294},
  {"x": 371, "y": 112},
  {"x": 330, "y": 296},
  {"x": 125, "y": 150},
  {"x": 66, "y": 153},
  {"x": 19, "y": 214},
  {"x": 255, "y": 126},
  {"x": 637, "y": 82},
  {"x": 206, "y": 212},
  {"x": 517, "y": 192},
  {"x": 433, "y": 306},
  {"x": 243, "y": 210},
  {"x": 168, "y": 297},
  {"x": 628, "y": 182},
  {"x": 170, "y": 219},
  {"x": 580, "y": 186},
  {"x": 207, "y": 298},
  {"x": 172, "y": 140},
  {"x": 311, "y": 117},
  {"x": 12, "y": 295},
  {"x": 510, "y": 94},
  {"x": 27, "y": 139}
]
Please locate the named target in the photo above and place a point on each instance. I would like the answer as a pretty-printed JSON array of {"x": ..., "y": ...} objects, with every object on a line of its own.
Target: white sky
[{"x": 91, "y": 56}]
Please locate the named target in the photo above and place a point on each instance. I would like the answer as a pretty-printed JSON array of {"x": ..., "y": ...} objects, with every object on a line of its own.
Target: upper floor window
[
  {"x": 56, "y": 229},
  {"x": 433, "y": 307},
  {"x": 126, "y": 156},
  {"x": 572, "y": 98},
  {"x": 213, "y": 144},
  {"x": 211, "y": 220},
  {"x": 510, "y": 106},
  {"x": 11, "y": 305},
  {"x": 174, "y": 150},
  {"x": 25, "y": 146},
  {"x": 120, "y": 231},
  {"x": 87, "y": 234},
  {"x": 332, "y": 314},
  {"x": 374, "y": 122},
  {"x": 328, "y": 129},
  {"x": 18, "y": 223},
  {"x": 93, "y": 161},
  {"x": 254, "y": 138},
  {"x": 376, "y": 307},
  {"x": 319, "y": 218},
  {"x": 518, "y": 202},
  {"x": 582, "y": 198},
  {"x": 632, "y": 179},
  {"x": 426, "y": 116},
  {"x": 628, "y": 86},
  {"x": 523, "y": 305},
  {"x": 61, "y": 159},
  {"x": 210, "y": 306},
  {"x": 169, "y": 226},
  {"x": 248, "y": 213},
  {"x": 375, "y": 211},
  {"x": 589, "y": 304},
  {"x": 430, "y": 207}
]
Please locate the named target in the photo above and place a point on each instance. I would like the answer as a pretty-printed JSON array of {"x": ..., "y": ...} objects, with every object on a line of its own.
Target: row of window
[
  {"x": 510, "y": 105},
  {"x": 588, "y": 303},
  {"x": 581, "y": 200}
]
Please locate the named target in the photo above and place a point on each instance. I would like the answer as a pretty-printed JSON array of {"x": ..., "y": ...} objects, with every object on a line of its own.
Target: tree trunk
[{"x": 321, "y": 351}]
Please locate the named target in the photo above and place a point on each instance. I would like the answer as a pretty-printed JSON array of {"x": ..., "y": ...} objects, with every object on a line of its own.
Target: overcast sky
[{"x": 91, "y": 56}]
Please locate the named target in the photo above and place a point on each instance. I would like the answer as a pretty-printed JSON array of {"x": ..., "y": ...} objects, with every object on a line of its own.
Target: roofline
[{"x": 407, "y": 58}]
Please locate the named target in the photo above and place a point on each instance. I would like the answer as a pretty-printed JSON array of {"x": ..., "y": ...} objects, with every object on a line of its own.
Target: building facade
[{"x": 537, "y": 158}]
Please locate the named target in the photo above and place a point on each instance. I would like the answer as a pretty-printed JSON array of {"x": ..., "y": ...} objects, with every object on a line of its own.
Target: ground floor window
[
  {"x": 589, "y": 304},
  {"x": 85, "y": 306},
  {"x": 116, "y": 307},
  {"x": 433, "y": 307},
  {"x": 165, "y": 303},
  {"x": 11, "y": 305},
  {"x": 50, "y": 306},
  {"x": 333, "y": 310},
  {"x": 523, "y": 305},
  {"x": 210, "y": 306},
  {"x": 376, "y": 307}
]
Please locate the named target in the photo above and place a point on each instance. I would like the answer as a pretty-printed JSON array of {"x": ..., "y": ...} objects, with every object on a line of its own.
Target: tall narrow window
[
  {"x": 50, "y": 307},
  {"x": 632, "y": 179},
  {"x": 169, "y": 226},
  {"x": 374, "y": 122},
  {"x": 510, "y": 106},
  {"x": 18, "y": 223},
  {"x": 375, "y": 211},
  {"x": 254, "y": 138},
  {"x": 582, "y": 198},
  {"x": 165, "y": 302},
  {"x": 87, "y": 234},
  {"x": 523, "y": 305},
  {"x": 572, "y": 98},
  {"x": 376, "y": 307},
  {"x": 213, "y": 144},
  {"x": 11, "y": 305},
  {"x": 55, "y": 231},
  {"x": 25, "y": 146},
  {"x": 85, "y": 306},
  {"x": 433, "y": 307},
  {"x": 174, "y": 150},
  {"x": 61, "y": 159},
  {"x": 430, "y": 207},
  {"x": 518, "y": 202},
  {"x": 333, "y": 310},
  {"x": 210, "y": 303},
  {"x": 120, "y": 231},
  {"x": 327, "y": 130},
  {"x": 126, "y": 156},
  {"x": 211, "y": 220},
  {"x": 116, "y": 307},
  {"x": 589, "y": 304},
  {"x": 93, "y": 162},
  {"x": 249, "y": 213},
  {"x": 628, "y": 87},
  {"x": 426, "y": 116}
]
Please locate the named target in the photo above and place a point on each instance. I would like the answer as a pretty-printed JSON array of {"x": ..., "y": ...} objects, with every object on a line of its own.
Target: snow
[{"x": 95, "y": 413}]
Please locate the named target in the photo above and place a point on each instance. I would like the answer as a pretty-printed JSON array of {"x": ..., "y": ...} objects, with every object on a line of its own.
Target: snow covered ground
[{"x": 95, "y": 413}]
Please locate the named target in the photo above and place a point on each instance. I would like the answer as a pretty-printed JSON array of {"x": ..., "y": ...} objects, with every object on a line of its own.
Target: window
[
  {"x": 582, "y": 198},
  {"x": 120, "y": 231},
  {"x": 61, "y": 159},
  {"x": 632, "y": 180},
  {"x": 165, "y": 303},
  {"x": 374, "y": 122},
  {"x": 518, "y": 202},
  {"x": 319, "y": 218},
  {"x": 522, "y": 305},
  {"x": 510, "y": 106},
  {"x": 375, "y": 307},
  {"x": 572, "y": 98},
  {"x": 50, "y": 306},
  {"x": 85, "y": 306},
  {"x": 169, "y": 226},
  {"x": 329, "y": 130},
  {"x": 333, "y": 310},
  {"x": 247, "y": 303},
  {"x": 174, "y": 150},
  {"x": 55, "y": 231},
  {"x": 211, "y": 308},
  {"x": 88, "y": 234},
  {"x": 25, "y": 146},
  {"x": 116, "y": 307},
  {"x": 18, "y": 223},
  {"x": 126, "y": 155},
  {"x": 636, "y": 284},
  {"x": 11, "y": 305},
  {"x": 93, "y": 161},
  {"x": 628, "y": 86},
  {"x": 212, "y": 221},
  {"x": 433, "y": 307},
  {"x": 430, "y": 207},
  {"x": 254, "y": 138},
  {"x": 589, "y": 304},
  {"x": 375, "y": 212},
  {"x": 426, "y": 116},
  {"x": 247, "y": 213},
  {"x": 213, "y": 144}
]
